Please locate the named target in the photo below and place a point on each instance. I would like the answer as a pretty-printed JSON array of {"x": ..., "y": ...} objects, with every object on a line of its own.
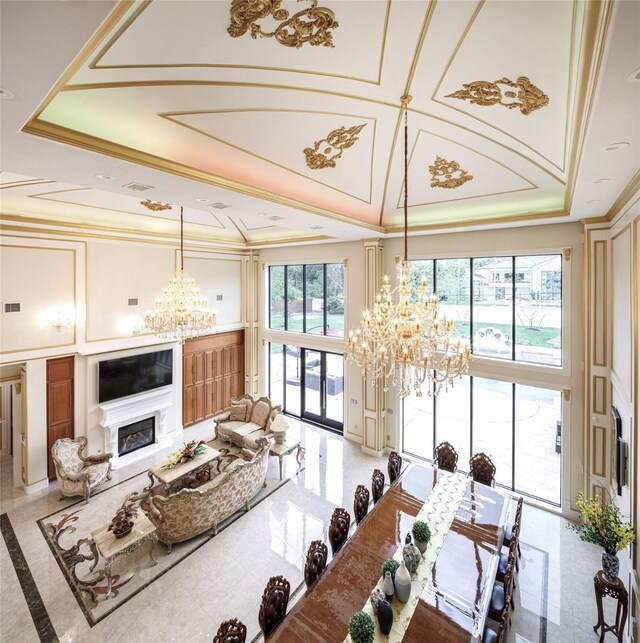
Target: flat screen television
[
  {"x": 134, "y": 374},
  {"x": 621, "y": 451}
]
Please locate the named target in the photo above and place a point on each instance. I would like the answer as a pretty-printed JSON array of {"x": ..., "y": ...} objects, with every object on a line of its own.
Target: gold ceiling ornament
[
  {"x": 311, "y": 25},
  {"x": 453, "y": 175},
  {"x": 181, "y": 311},
  {"x": 401, "y": 341},
  {"x": 155, "y": 206},
  {"x": 528, "y": 98},
  {"x": 337, "y": 142}
]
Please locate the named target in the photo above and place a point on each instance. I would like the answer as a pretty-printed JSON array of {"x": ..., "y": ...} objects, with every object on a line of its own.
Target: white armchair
[{"x": 77, "y": 474}]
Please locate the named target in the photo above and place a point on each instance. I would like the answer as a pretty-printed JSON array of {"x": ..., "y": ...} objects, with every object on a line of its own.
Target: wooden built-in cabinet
[
  {"x": 59, "y": 405},
  {"x": 212, "y": 372}
]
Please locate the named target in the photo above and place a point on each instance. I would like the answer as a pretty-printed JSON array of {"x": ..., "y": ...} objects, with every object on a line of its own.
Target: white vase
[{"x": 403, "y": 581}]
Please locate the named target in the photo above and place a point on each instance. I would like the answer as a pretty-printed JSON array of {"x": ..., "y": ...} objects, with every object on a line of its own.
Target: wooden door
[
  {"x": 212, "y": 372},
  {"x": 59, "y": 404}
]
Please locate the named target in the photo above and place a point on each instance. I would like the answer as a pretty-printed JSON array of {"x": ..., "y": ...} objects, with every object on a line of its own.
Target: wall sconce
[{"x": 61, "y": 321}]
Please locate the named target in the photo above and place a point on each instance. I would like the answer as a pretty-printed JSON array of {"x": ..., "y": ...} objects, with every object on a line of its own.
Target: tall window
[
  {"x": 515, "y": 425},
  {"x": 307, "y": 298},
  {"x": 505, "y": 307}
]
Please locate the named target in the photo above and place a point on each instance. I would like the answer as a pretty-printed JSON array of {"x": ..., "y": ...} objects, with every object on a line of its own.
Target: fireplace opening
[{"x": 136, "y": 436}]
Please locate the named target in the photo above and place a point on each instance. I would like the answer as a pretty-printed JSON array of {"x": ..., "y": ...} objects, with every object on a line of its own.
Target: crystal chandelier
[
  {"x": 181, "y": 312},
  {"x": 402, "y": 341}
]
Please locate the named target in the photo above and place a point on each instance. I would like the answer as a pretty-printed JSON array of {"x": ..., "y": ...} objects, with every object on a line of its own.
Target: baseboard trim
[{"x": 36, "y": 486}]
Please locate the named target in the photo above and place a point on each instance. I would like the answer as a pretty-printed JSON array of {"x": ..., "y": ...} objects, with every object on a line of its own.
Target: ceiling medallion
[
  {"x": 337, "y": 141},
  {"x": 453, "y": 175},
  {"x": 310, "y": 25},
  {"x": 155, "y": 206},
  {"x": 528, "y": 98}
]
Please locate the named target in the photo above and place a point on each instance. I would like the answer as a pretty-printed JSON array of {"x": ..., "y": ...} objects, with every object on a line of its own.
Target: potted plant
[
  {"x": 122, "y": 522},
  {"x": 602, "y": 525},
  {"x": 361, "y": 628},
  {"x": 390, "y": 565},
  {"x": 421, "y": 535}
]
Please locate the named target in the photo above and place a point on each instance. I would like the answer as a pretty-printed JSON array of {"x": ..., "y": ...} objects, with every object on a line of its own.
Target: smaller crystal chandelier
[
  {"x": 404, "y": 341},
  {"x": 181, "y": 312}
]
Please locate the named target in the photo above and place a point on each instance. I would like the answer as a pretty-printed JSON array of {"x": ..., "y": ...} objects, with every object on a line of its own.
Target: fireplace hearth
[{"x": 136, "y": 435}]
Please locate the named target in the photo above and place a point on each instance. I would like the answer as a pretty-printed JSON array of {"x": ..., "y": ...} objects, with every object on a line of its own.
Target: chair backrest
[
  {"x": 518, "y": 516},
  {"x": 515, "y": 533},
  {"x": 508, "y": 582},
  {"x": 482, "y": 469},
  {"x": 316, "y": 562},
  {"x": 66, "y": 454},
  {"x": 504, "y": 621},
  {"x": 339, "y": 528},
  {"x": 360, "y": 503},
  {"x": 395, "y": 464},
  {"x": 275, "y": 599},
  {"x": 231, "y": 631},
  {"x": 446, "y": 457},
  {"x": 377, "y": 485}
]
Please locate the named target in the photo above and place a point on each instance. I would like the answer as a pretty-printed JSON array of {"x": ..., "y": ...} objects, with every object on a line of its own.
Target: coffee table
[
  {"x": 282, "y": 450},
  {"x": 199, "y": 466},
  {"x": 111, "y": 547}
]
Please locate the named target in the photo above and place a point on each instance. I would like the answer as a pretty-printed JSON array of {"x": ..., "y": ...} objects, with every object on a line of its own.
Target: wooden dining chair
[
  {"x": 273, "y": 608},
  {"x": 360, "y": 503},
  {"x": 394, "y": 466},
  {"x": 232, "y": 631},
  {"x": 482, "y": 469},
  {"x": 502, "y": 596},
  {"x": 508, "y": 558},
  {"x": 508, "y": 532},
  {"x": 500, "y": 636},
  {"x": 377, "y": 485},
  {"x": 316, "y": 562},
  {"x": 446, "y": 457},
  {"x": 339, "y": 529}
]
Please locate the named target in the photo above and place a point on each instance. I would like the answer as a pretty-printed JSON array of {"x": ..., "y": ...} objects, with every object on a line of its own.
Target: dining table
[{"x": 455, "y": 594}]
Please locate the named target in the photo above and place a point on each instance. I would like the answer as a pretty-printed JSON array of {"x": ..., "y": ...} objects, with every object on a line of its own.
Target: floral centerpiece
[
  {"x": 186, "y": 454},
  {"x": 122, "y": 522},
  {"x": 602, "y": 525}
]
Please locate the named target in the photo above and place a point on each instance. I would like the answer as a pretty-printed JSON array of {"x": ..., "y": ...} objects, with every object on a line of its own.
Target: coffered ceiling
[{"x": 299, "y": 129}]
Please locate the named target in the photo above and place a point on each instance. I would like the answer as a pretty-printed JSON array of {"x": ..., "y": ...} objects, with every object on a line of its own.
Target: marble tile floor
[{"x": 225, "y": 578}]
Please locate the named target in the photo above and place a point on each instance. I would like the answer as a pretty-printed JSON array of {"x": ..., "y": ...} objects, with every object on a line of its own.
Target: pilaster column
[
  {"x": 374, "y": 407},
  {"x": 250, "y": 321}
]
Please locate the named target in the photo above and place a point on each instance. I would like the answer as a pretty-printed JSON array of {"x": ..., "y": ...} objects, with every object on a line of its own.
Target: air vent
[
  {"x": 218, "y": 297},
  {"x": 275, "y": 217},
  {"x": 138, "y": 187},
  {"x": 219, "y": 206},
  {"x": 133, "y": 301},
  {"x": 317, "y": 227},
  {"x": 12, "y": 308}
]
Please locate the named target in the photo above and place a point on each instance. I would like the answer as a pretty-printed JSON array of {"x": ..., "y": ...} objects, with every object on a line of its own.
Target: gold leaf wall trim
[
  {"x": 155, "y": 206},
  {"x": 528, "y": 98},
  {"x": 337, "y": 142},
  {"x": 311, "y": 25},
  {"x": 452, "y": 175}
]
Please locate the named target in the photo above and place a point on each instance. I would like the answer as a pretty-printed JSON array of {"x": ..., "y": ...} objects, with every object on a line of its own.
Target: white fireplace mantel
[{"x": 125, "y": 411}]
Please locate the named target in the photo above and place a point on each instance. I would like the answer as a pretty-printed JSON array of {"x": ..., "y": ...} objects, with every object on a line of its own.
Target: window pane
[
  {"x": 292, "y": 365},
  {"x": 335, "y": 387},
  {"x": 418, "y": 426},
  {"x": 276, "y": 371},
  {"x": 425, "y": 269},
  {"x": 492, "y": 307},
  {"x": 314, "y": 303},
  {"x": 452, "y": 419},
  {"x": 452, "y": 288},
  {"x": 295, "y": 308},
  {"x": 276, "y": 291},
  {"x": 492, "y": 424},
  {"x": 537, "y": 459},
  {"x": 312, "y": 382},
  {"x": 335, "y": 299},
  {"x": 539, "y": 309}
]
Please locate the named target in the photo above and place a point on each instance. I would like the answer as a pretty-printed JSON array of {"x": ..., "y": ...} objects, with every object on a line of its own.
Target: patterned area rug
[{"x": 68, "y": 534}]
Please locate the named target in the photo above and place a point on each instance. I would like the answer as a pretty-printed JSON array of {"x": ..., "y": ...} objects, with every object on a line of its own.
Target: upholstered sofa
[
  {"x": 77, "y": 474},
  {"x": 246, "y": 421},
  {"x": 189, "y": 512}
]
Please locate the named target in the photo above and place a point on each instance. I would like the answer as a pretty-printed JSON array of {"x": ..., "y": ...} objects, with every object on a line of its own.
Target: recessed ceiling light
[
  {"x": 219, "y": 206},
  {"x": 614, "y": 147},
  {"x": 203, "y": 200},
  {"x": 105, "y": 177},
  {"x": 317, "y": 227},
  {"x": 594, "y": 201},
  {"x": 601, "y": 181},
  {"x": 5, "y": 94},
  {"x": 275, "y": 217},
  {"x": 634, "y": 76}
]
